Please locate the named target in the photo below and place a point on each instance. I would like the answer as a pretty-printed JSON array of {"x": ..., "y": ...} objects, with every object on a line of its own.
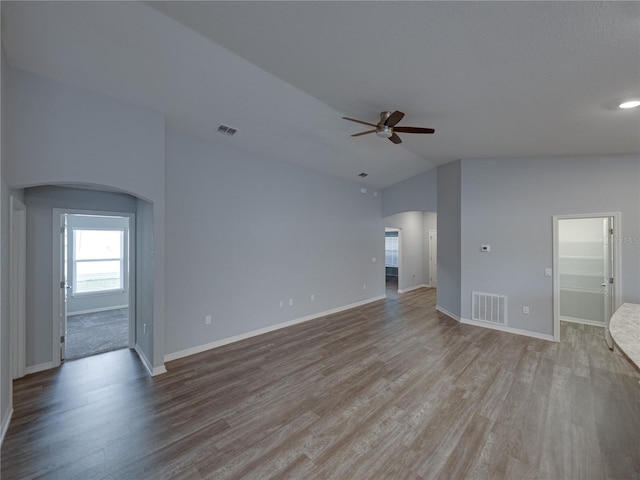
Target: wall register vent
[{"x": 488, "y": 307}]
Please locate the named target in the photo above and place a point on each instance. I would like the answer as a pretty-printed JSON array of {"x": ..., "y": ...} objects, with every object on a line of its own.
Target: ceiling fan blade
[
  {"x": 363, "y": 133},
  {"x": 413, "y": 130},
  {"x": 359, "y": 121},
  {"x": 394, "y": 118},
  {"x": 395, "y": 138}
]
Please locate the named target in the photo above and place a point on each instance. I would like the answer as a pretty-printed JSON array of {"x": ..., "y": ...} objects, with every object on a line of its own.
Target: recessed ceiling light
[{"x": 630, "y": 104}]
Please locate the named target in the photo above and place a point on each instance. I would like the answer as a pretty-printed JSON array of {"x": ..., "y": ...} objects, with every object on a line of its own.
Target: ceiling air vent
[
  {"x": 227, "y": 130},
  {"x": 363, "y": 174}
]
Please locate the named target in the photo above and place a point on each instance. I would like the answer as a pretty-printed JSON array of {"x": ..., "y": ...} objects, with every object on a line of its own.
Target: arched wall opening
[{"x": 41, "y": 201}]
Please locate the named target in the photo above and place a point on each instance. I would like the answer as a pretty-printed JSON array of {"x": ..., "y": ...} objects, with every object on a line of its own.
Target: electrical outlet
[
  {"x": 291, "y": 302},
  {"x": 207, "y": 320},
  {"x": 281, "y": 304},
  {"x": 364, "y": 286},
  {"x": 525, "y": 310},
  {"x": 312, "y": 297},
  {"x": 373, "y": 259}
]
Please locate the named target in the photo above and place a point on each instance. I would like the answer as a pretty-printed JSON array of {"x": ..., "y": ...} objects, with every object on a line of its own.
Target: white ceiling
[{"x": 495, "y": 79}]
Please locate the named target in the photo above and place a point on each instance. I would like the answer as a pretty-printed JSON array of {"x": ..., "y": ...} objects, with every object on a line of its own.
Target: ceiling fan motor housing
[{"x": 384, "y": 131}]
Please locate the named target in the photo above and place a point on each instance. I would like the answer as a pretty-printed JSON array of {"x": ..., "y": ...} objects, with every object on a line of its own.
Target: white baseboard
[
  {"x": 6, "y": 420},
  {"x": 502, "y": 328},
  {"x": 225, "y": 341},
  {"x": 593, "y": 323},
  {"x": 38, "y": 368},
  {"x": 153, "y": 371},
  {"x": 448, "y": 313},
  {"x": 96, "y": 310},
  {"x": 405, "y": 290}
]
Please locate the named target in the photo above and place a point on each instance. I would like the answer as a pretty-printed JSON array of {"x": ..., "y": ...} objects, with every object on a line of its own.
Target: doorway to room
[
  {"x": 392, "y": 260},
  {"x": 95, "y": 283},
  {"x": 586, "y": 269}
]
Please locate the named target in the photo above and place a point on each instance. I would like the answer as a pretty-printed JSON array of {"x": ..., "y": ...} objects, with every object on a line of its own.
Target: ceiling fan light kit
[
  {"x": 384, "y": 132},
  {"x": 386, "y": 127}
]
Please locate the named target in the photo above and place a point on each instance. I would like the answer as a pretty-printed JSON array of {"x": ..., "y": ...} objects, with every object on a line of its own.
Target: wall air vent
[
  {"x": 363, "y": 174},
  {"x": 488, "y": 307},
  {"x": 227, "y": 130}
]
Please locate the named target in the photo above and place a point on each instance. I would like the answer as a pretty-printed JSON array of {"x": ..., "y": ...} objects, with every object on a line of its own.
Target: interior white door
[
  {"x": 64, "y": 285},
  {"x": 608, "y": 280},
  {"x": 433, "y": 258}
]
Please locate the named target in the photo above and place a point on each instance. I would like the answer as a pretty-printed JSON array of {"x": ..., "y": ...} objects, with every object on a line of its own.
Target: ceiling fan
[{"x": 386, "y": 127}]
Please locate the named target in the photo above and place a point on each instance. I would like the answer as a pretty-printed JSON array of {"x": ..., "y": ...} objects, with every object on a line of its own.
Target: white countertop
[{"x": 625, "y": 331}]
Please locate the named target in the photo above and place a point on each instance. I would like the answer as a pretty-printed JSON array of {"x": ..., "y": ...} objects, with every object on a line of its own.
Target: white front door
[
  {"x": 64, "y": 285},
  {"x": 433, "y": 258}
]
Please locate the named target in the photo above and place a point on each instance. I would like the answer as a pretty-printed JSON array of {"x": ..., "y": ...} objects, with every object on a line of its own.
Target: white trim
[
  {"x": 617, "y": 263},
  {"x": 5, "y": 423},
  {"x": 413, "y": 288},
  {"x": 516, "y": 331},
  {"x": 40, "y": 367},
  {"x": 225, "y": 341},
  {"x": 58, "y": 305},
  {"x": 153, "y": 371},
  {"x": 96, "y": 310},
  {"x": 584, "y": 321},
  {"x": 448, "y": 313}
]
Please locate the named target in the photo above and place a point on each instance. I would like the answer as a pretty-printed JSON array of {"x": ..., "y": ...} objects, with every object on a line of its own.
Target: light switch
[{"x": 548, "y": 272}]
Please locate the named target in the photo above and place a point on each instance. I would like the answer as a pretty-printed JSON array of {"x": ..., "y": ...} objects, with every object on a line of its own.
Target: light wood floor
[{"x": 390, "y": 390}]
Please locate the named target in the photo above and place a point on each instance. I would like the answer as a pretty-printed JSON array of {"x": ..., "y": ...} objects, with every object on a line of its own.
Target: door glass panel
[
  {"x": 96, "y": 276},
  {"x": 98, "y": 244}
]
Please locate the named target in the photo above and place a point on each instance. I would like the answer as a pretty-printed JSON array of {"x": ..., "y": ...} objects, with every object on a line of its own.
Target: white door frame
[
  {"x": 617, "y": 263},
  {"x": 17, "y": 286},
  {"x": 58, "y": 274}
]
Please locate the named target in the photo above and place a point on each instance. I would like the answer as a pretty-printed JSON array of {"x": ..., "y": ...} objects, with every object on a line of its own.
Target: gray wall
[
  {"x": 509, "y": 204},
  {"x": 97, "y": 301},
  {"x": 245, "y": 232},
  {"x": 60, "y": 135},
  {"x": 449, "y": 231},
  {"x": 40, "y": 202},
  {"x": 5, "y": 374},
  {"x": 412, "y": 254},
  {"x": 145, "y": 325},
  {"x": 419, "y": 193}
]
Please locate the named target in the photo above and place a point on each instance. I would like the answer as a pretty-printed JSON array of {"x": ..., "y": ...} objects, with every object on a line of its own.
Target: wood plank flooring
[{"x": 389, "y": 390}]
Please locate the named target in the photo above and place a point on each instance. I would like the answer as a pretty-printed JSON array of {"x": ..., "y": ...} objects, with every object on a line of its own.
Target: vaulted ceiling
[{"x": 495, "y": 79}]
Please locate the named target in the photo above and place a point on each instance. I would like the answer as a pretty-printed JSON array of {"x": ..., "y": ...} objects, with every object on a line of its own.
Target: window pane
[
  {"x": 97, "y": 244},
  {"x": 97, "y": 276}
]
